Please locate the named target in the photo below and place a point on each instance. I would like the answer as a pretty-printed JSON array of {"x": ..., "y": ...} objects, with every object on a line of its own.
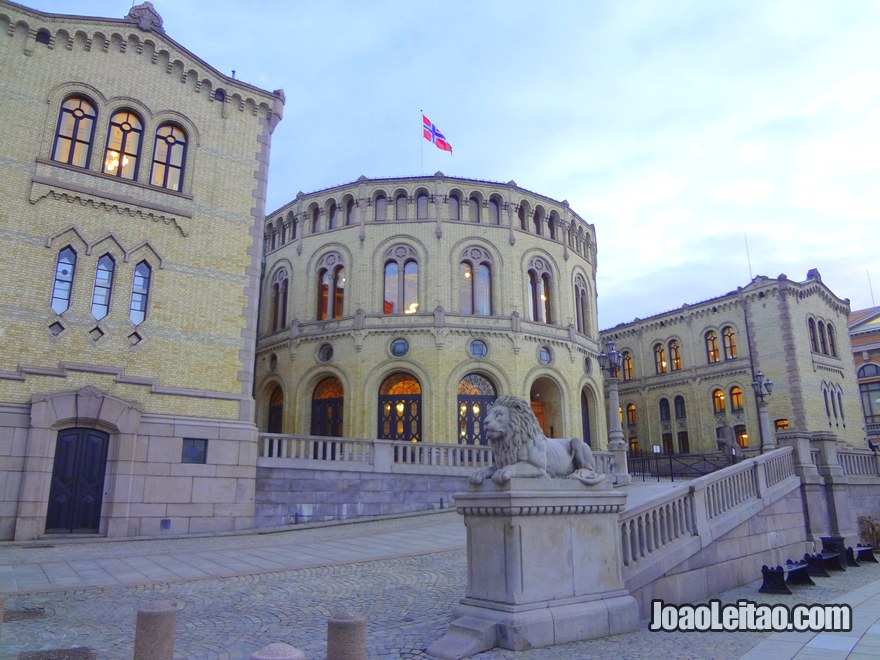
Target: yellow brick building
[
  {"x": 399, "y": 308},
  {"x": 133, "y": 192},
  {"x": 687, "y": 375}
]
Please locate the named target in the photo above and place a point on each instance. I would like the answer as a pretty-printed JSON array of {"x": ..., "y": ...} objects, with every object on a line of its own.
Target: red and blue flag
[{"x": 433, "y": 135}]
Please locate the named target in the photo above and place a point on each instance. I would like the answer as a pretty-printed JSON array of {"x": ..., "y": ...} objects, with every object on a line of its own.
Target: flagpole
[{"x": 421, "y": 146}]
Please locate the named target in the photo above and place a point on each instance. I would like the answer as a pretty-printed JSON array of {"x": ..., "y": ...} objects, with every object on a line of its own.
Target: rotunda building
[{"x": 401, "y": 308}]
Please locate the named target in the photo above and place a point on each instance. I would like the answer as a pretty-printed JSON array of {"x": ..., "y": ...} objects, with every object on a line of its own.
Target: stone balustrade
[{"x": 855, "y": 462}]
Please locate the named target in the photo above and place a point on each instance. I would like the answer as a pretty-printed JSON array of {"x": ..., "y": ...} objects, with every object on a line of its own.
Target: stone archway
[{"x": 546, "y": 402}]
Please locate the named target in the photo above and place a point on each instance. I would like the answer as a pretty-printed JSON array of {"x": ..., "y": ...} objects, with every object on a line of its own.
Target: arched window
[
  {"x": 539, "y": 293},
  {"x": 401, "y": 290},
  {"x": 76, "y": 129},
  {"x": 718, "y": 402},
  {"x": 552, "y": 223},
  {"x": 581, "y": 305},
  {"x": 870, "y": 394},
  {"x": 538, "y": 222},
  {"x": 276, "y": 411},
  {"x": 332, "y": 214},
  {"x": 631, "y": 417},
  {"x": 823, "y": 343},
  {"x": 400, "y": 203},
  {"x": 675, "y": 355},
  {"x": 283, "y": 226},
  {"x": 272, "y": 237},
  {"x": 103, "y": 287},
  {"x": 476, "y": 282},
  {"x": 474, "y": 208},
  {"x": 869, "y": 371},
  {"x": 422, "y": 206},
  {"x": 454, "y": 203},
  {"x": 729, "y": 338},
  {"x": 664, "y": 410},
  {"x": 680, "y": 411},
  {"x": 140, "y": 293},
  {"x": 521, "y": 214},
  {"x": 331, "y": 286},
  {"x": 293, "y": 226},
  {"x": 327, "y": 402},
  {"x": 832, "y": 345},
  {"x": 381, "y": 208},
  {"x": 123, "y": 145},
  {"x": 476, "y": 393},
  {"x": 494, "y": 215},
  {"x": 627, "y": 365},
  {"x": 349, "y": 213},
  {"x": 64, "y": 270},
  {"x": 840, "y": 404},
  {"x": 736, "y": 399},
  {"x": 814, "y": 341},
  {"x": 169, "y": 157},
  {"x": 400, "y": 408},
  {"x": 279, "y": 300},
  {"x": 659, "y": 358},
  {"x": 43, "y": 36},
  {"x": 712, "y": 354},
  {"x": 316, "y": 218}
]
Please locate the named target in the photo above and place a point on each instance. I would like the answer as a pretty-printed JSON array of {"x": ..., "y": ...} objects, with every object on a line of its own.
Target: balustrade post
[
  {"x": 761, "y": 483},
  {"x": 699, "y": 509},
  {"x": 383, "y": 455}
]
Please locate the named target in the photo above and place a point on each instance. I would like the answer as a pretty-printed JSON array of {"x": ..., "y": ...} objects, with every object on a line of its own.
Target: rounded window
[
  {"x": 399, "y": 347},
  {"x": 325, "y": 353},
  {"x": 588, "y": 365},
  {"x": 273, "y": 362},
  {"x": 544, "y": 355},
  {"x": 478, "y": 348}
]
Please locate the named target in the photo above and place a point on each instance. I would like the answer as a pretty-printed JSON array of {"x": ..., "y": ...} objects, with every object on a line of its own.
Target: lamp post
[
  {"x": 610, "y": 362},
  {"x": 763, "y": 388}
]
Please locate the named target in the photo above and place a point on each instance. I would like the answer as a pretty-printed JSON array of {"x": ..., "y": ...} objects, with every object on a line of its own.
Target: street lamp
[
  {"x": 610, "y": 362},
  {"x": 763, "y": 389}
]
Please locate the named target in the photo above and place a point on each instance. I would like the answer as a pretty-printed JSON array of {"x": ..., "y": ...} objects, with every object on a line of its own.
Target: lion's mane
[{"x": 523, "y": 431}]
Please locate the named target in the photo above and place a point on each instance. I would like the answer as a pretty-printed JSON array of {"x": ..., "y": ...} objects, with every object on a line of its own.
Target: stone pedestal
[{"x": 544, "y": 568}]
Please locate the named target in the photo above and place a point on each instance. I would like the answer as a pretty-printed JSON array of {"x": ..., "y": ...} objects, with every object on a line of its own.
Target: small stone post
[
  {"x": 154, "y": 634},
  {"x": 278, "y": 651},
  {"x": 346, "y": 636}
]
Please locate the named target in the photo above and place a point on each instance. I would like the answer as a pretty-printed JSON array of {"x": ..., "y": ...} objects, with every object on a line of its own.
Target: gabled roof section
[{"x": 864, "y": 321}]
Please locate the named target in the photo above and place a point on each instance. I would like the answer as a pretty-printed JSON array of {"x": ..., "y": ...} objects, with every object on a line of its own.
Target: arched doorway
[
  {"x": 546, "y": 403},
  {"x": 400, "y": 408},
  {"x": 475, "y": 394},
  {"x": 276, "y": 411},
  {"x": 585, "y": 418},
  {"x": 327, "y": 400},
  {"x": 77, "y": 488}
]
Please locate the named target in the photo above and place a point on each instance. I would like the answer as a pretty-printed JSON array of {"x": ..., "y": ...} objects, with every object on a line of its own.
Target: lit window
[
  {"x": 675, "y": 355},
  {"x": 123, "y": 145},
  {"x": 476, "y": 282},
  {"x": 331, "y": 287},
  {"x": 169, "y": 158},
  {"x": 633, "y": 446},
  {"x": 64, "y": 270},
  {"x": 712, "y": 347},
  {"x": 401, "y": 288},
  {"x": 76, "y": 128},
  {"x": 729, "y": 343},
  {"x": 736, "y": 399},
  {"x": 631, "y": 417},
  {"x": 742, "y": 438},
  {"x": 627, "y": 365},
  {"x": 539, "y": 294},
  {"x": 718, "y": 402},
  {"x": 660, "y": 359},
  {"x": 781, "y": 424},
  {"x": 140, "y": 293},
  {"x": 103, "y": 287}
]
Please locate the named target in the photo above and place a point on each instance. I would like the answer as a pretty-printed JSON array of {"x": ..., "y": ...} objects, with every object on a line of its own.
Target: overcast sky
[{"x": 677, "y": 128}]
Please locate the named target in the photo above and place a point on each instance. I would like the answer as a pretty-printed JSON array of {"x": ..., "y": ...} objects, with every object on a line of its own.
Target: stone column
[
  {"x": 544, "y": 567},
  {"x": 766, "y": 431}
]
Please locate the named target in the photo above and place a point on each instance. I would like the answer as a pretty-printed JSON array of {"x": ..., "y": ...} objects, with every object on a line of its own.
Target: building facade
[
  {"x": 133, "y": 191},
  {"x": 687, "y": 374},
  {"x": 864, "y": 332},
  {"x": 399, "y": 308}
]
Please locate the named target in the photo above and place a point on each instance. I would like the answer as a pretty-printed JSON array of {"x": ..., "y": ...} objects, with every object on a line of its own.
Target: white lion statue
[{"x": 521, "y": 450}]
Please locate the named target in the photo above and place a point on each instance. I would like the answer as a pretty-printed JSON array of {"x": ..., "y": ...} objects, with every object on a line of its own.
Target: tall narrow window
[
  {"x": 631, "y": 417},
  {"x": 123, "y": 145},
  {"x": 410, "y": 287},
  {"x": 103, "y": 287},
  {"x": 422, "y": 206},
  {"x": 823, "y": 344},
  {"x": 494, "y": 216},
  {"x": 521, "y": 214},
  {"x": 814, "y": 341},
  {"x": 401, "y": 289},
  {"x": 551, "y": 225},
  {"x": 169, "y": 158},
  {"x": 675, "y": 355},
  {"x": 712, "y": 354},
  {"x": 539, "y": 292},
  {"x": 664, "y": 410},
  {"x": 316, "y": 219},
  {"x": 140, "y": 293},
  {"x": 400, "y": 203},
  {"x": 331, "y": 287},
  {"x": 338, "y": 292},
  {"x": 332, "y": 215},
  {"x": 349, "y": 213},
  {"x": 659, "y": 359},
  {"x": 392, "y": 297},
  {"x": 64, "y": 270},
  {"x": 718, "y": 402},
  {"x": 474, "y": 208},
  {"x": 581, "y": 305},
  {"x": 279, "y": 300},
  {"x": 729, "y": 337},
  {"x": 680, "y": 410},
  {"x": 454, "y": 203},
  {"x": 76, "y": 128},
  {"x": 476, "y": 282},
  {"x": 538, "y": 221},
  {"x": 627, "y": 365},
  {"x": 736, "y": 399},
  {"x": 832, "y": 347},
  {"x": 381, "y": 208}
]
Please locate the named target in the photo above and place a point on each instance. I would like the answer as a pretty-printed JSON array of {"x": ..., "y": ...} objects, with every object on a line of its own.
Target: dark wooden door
[{"x": 77, "y": 482}]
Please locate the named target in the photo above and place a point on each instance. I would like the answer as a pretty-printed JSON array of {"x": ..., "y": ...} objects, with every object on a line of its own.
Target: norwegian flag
[{"x": 431, "y": 134}]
